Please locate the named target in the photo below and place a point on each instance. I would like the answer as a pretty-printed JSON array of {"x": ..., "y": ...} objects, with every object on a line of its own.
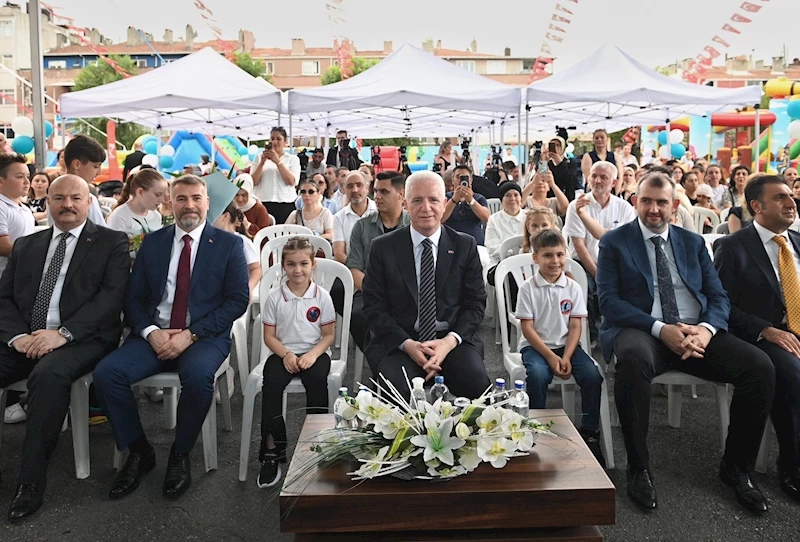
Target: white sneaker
[{"x": 14, "y": 414}]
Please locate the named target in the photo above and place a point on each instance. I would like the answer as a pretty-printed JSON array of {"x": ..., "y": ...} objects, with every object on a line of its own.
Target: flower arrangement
[{"x": 422, "y": 440}]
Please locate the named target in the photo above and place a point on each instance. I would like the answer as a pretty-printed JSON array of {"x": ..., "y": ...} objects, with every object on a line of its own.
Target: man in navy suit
[
  {"x": 188, "y": 285},
  {"x": 665, "y": 309},
  {"x": 765, "y": 308}
]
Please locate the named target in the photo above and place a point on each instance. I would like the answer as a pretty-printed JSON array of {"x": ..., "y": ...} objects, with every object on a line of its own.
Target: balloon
[
  {"x": 150, "y": 146},
  {"x": 167, "y": 150},
  {"x": 793, "y": 109},
  {"x": 150, "y": 160},
  {"x": 252, "y": 150},
  {"x": 166, "y": 162},
  {"x": 48, "y": 128},
  {"x": 794, "y": 129},
  {"x": 22, "y": 126},
  {"x": 662, "y": 137},
  {"x": 22, "y": 144},
  {"x": 663, "y": 152},
  {"x": 678, "y": 151},
  {"x": 241, "y": 149},
  {"x": 676, "y": 136},
  {"x": 570, "y": 148}
]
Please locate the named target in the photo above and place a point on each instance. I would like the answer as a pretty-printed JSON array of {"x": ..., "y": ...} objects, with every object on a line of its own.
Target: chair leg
[
  {"x": 674, "y": 398},
  {"x": 337, "y": 339},
  {"x": 724, "y": 413},
  {"x": 763, "y": 451},
  {"x": 605, "y": 427},
  {"x": 568, "y": 400},
  {"x": 210, "y": 437},
  {"x": 225, "y": 399},
  {"x": 79, "y": 414},
  {"x": 359, "y": 361},
  {"x": 65, "y": 424},
  {"x": 170, "y": 408},
  {"x": 250, "y": 392},
  {"x": 3, "y": 396},
  {"x": 694, "y": 391}
]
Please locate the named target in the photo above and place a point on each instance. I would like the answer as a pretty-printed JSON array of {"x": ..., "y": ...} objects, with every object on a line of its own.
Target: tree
[
  {"x": 334, "y": 74},
  {"x": 102, "y": 74},
  {"x": 252, "y": 66}
]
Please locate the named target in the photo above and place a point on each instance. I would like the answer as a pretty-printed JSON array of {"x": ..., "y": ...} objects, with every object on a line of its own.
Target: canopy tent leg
[
  {"x": 502, "y": 135},
  {"x": 519, "y": 139},
  {"x": 756, "y": 157},
  {"x": 527, "y": 133},
  {"x": 291, "y": 137}
]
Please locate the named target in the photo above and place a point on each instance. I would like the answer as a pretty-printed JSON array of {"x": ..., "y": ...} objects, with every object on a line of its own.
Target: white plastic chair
[
  {"x": 509, "y": 247},
  {"x": 520, "y": 267},
  {"x": 700, "y": 214},
  {"x": 722, "y": 229},
  {"x": 171, "y": 383},
  {"x": 723, "y": 215},
  {"x": 327, "y": 272},
  {"x": 709, "y": 239},
  {"x": 79, "y": 417},
  {"x": 494, "y": 205},
  {"x": 271, "y": 232},
  {"x": 763, "y": 451}
]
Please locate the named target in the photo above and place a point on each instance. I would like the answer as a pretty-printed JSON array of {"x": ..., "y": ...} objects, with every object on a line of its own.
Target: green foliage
[
  {"x": 254, "y": 67},
  {"x": 334, "y": 74},
  {"x": 390, "y": 142}
]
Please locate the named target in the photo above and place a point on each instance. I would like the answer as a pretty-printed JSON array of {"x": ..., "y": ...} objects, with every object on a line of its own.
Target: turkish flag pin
[{"x": 450, "y": 252}]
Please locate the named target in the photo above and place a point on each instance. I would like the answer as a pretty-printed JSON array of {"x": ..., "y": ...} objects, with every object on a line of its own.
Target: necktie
[
  {"x": 427, "y": 293},
  {"x": 790, "y": 284},
  {"x": 666, "y": 291},
  {"x": 180, "y": 303},
  {"x": 42, "y": 303}
]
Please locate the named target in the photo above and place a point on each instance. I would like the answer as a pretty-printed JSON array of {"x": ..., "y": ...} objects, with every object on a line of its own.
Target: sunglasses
[{"x": 312, "y": 191}]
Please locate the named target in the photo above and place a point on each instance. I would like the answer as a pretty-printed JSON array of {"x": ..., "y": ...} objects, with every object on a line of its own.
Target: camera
[
  {"x": 437, "y": 167},
  {"x": 465, "y": 143},
  {"x": 268, "y": 147},
  {"x": 464, "y": 179}
]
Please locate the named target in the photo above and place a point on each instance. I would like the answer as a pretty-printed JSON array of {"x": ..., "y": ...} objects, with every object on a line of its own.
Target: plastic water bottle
[
  {"x": 439, "y": 390},
  {"x": 418, "y": 396},
  {"x": 521, "y": 402},
  {"x": 338, "y": 407},
  {"x": 499, "y": 393}
]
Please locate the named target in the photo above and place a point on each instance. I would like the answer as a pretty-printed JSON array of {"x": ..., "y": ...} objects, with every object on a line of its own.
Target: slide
[
  {"x": 234, "y": 149},
  {"x": 189, "y": 146}
]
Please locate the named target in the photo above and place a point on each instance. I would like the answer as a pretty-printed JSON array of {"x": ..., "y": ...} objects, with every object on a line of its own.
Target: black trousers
[
  {"x": 280, "y": 211},
  {"x": 276, "y": 378},
  {"x": 786, "y": 408},
  {"x": 641, "y": 357},
  {"x": 49, "y": 381}
]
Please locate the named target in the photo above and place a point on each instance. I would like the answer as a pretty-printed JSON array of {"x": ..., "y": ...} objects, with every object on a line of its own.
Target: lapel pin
[
  {"x": 211, "y": 241},
  {"x": 88, "y": 239},
  {"x": 450, "y": 252}
]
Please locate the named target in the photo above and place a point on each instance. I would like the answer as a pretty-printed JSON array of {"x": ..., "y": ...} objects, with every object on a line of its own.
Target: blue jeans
[{"x": 586, "y": 374}]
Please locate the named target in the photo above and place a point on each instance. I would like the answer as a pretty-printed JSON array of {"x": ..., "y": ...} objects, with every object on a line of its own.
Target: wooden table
[{"x": 558, "y": 492}]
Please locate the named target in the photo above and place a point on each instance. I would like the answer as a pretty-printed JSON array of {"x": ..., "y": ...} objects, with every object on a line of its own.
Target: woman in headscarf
[{"x": 254, "y": 211}]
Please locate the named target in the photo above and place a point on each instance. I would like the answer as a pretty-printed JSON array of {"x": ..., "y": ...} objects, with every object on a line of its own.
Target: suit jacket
[
  {"x": 747, "y": 275},
  {"x": 354, "y": 162},
  {"x": 625, "y": 281},
  {"x": 94, "y": 287},
  {"x": 219, "y": 290},
  {"x": 390, "y": 290}
]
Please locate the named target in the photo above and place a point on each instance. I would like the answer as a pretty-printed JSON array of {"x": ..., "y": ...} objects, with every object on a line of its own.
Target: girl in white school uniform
[{"x": 298, "y": 322}]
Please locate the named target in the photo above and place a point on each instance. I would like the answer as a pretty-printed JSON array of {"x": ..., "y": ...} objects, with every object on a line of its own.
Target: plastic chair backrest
[
  {"x": 510, "y": 246},
  {"x": 700, "y": 214},
  {"x": 722, "y": 228},
  {"x": 271, "y": 232},
  {"x": 273, "y": 249},
  {"x": 710, "y": 238},
  {"x": 494, "y": 205}
]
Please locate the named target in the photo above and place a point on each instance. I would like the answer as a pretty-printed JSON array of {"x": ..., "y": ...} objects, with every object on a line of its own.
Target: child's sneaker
[
  {"x": 270, "y": 471},
  {"x": 592, "y": 440}
]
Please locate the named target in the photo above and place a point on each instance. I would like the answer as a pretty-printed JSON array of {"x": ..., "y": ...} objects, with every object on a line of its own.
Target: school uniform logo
[
  {"x": 566, "y": 306},
  {"x": 313, "y": 314}
]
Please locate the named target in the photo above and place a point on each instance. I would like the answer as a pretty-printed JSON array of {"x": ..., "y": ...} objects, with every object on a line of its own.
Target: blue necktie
[{"x": 666, "y": 291}]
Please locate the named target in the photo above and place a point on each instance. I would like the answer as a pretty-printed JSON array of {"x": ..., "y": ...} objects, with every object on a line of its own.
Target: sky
[{"x": 654, "y": 32}]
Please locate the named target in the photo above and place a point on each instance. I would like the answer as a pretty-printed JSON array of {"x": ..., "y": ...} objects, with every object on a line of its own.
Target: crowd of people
[{"x": 421, "y": 250}]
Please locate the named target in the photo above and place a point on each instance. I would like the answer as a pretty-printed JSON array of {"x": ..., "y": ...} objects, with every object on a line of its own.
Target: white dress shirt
[
  {"x": 163, "y": 313},
  {"x": 344, "y": 220},
  {"x": 688, "y": 306},
  {"x": 773, "y": 250}
]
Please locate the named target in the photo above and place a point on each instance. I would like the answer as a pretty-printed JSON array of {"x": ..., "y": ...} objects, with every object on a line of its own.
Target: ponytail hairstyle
[
  {"x": 146, "y": 179},
  {"x": 533, "y": 212},
  {"x": 236, "y": 215}
]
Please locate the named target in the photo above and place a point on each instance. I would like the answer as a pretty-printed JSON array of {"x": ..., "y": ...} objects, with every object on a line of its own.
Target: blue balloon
[
  {"x": 241, "y": 150},
  {"x": 166, "y": 162},
  {"x": 793, "y": 109},
  {"x": 22, "y": 144},
  {"x": 150, "y": 146},
  {"x": 48, "y": 128},
  {"x": 678, "y": 151},
  {"x": 663, "y": 137}
]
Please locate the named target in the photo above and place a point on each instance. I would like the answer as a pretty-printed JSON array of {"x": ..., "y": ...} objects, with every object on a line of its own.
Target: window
[
  {"x": 495, "y": 67},
  {"x": 468, "y": 65},
  {"x": 93, "y": 62},
  {"x": 6, "y": 29},
  {"x": 8, "y": 61},
  {"x": 57, "y": 64},
  {"x": 310, "y": 67},
  {"x": 7, "y": 96},
  {"x": 270, "y": 67},
  {"x": 141, "y": 63}
]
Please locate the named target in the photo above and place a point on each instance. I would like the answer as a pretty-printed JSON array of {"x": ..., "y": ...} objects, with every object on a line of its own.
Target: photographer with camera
[
  {"x": 559, "y": 165},
  {"x": 275, "y": 176},
  {"x": 511, "y": 171},
  {"x": 342, "y": 155},
  {"x": 466, "y": 211}
]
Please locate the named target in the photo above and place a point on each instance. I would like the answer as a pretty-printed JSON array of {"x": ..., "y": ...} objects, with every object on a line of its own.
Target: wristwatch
[
  {"x": 64, "y": 332},
  {"x": 195, "y": 337},
  {"x": 471, "y": 202}
]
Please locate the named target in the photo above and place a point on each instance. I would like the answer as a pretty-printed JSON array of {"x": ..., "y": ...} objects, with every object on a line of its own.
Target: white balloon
[
  {"x": 794, "y": 129},
  {"x": 150, "y": 160},
  {"x": 664, "y": 152},
  {"x": 252, "y": 150},
  {"x": 167, "y": 150},
  {"x": 22, "y": 126},
  {"x": 676, "y": 136},
  {"x": 570, "y": 148}
]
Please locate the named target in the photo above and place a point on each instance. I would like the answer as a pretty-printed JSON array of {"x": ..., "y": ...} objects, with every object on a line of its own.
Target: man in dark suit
[
  {"x": 758, "y": 267},
  {"x": 60, "y": 302},
  {"x": 424, "y": 297},
  {"x": 665, "y": 309},
  {"x": 132, "y": 160},
  {"x": 188, "y": 285},
  {"x": 342, "y": 155}
]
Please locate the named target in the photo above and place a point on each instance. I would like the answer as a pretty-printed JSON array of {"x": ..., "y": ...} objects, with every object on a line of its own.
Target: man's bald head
[{"x": 68, "y": 201}]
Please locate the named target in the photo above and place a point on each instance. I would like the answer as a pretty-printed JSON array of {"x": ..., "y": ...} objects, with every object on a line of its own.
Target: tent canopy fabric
[
  {"x": 202, "y": 87},
  {"x": 609, "y": 87}
]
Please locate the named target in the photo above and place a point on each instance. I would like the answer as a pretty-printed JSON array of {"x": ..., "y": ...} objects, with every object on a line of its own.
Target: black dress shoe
[
  {"x": 128, "y": 478},
  {"x": 790, "y": 482},
  {"x": 641, "y": 489},
  {"x": 179, "y": 475},
  {"x": 26, "y": 501},
  {"x": 747, "y": 492}
]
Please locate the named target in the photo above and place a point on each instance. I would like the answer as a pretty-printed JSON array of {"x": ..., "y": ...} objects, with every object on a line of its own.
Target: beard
[{"x": 189, "y": 221}]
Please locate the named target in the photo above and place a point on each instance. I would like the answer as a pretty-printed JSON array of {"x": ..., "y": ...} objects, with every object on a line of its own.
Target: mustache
[{"x": 65, "y": 211}]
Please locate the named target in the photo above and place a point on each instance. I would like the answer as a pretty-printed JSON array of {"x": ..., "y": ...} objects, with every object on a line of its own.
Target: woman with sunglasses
[
  {"x": 324, "y": 194},
  {"x": 313, "y": 215}
]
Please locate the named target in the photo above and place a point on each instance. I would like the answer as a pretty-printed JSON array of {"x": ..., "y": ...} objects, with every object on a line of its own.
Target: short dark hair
[
  {"x": 85, "y": 149},
  {"x": 341, "y": 132},
  {"x": 754, "y": 191},
  {"x": 547, "y": 239},
  {"x": 11, "y": 158},
  {"x": 318, "y": 150},
  {"x": 698, "y": 167},
  {"x": 398, "y": 179},
  {"x": 508, "y": 165},
  {"x": 464, "y": 167},
  {"x": 661, "y": 169}
]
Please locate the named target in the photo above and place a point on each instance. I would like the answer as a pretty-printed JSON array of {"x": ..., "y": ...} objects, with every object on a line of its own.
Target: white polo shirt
[
  {"x": 550, "y": 306},
  {"x": 344, "y": 220},
  {"x": 616, "y": 213},
  {"x": 298, "y": 321},
  {"x": 16, "y": 220},
  {"x": 250, "y": 253}
]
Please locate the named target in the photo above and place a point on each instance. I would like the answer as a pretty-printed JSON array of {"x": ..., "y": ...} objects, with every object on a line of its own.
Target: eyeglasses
[{"x": 312, "y": 191}]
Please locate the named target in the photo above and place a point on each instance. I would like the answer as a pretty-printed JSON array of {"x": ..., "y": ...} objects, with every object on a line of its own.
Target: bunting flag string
[
  {"x": 696, "y": 70},
  {"x": 208, "y": 16},
  {"x": 555, "y": 33},
  {"x": 342, "y": 46}
]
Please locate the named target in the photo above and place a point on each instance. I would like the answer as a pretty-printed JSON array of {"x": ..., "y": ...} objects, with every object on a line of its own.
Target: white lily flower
[
  {"x": 439, "y": 443},
  {"x": 462, "y": 430},
  {"x": 371, "y": 467},
  {"x": 513, "y": 428},
  {"x": 468, "y": 458},
  {"x": 496, "y": 451},
  {"x": 346, "y": 410},
  {"x": 391, "y": 423},
  {"x": 371, "y": 409},
  {"x": 446, "y": 472},
  {"x": 490, "y": 419}
]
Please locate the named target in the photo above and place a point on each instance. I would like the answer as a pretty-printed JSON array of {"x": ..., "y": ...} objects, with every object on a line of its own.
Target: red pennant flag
[
  {"x": 546, "y": 49},
  {"x": 559, "y": 7},
  {"x": 713, "y": 53},
  {"x": 749, "y": 6},
  {"x": 736, "y": 18},
  {"x": 728, "y": 28},
  {"x": 553, "y": 37},
  {"x": 560, "y": 19},
  {"x": 556, "y": 28},
  {"x": 720, "y": 41}
]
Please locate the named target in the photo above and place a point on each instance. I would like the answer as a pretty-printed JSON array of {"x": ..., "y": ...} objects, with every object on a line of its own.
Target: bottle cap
[
  {"x": 500, "y": 382},
  {"x": 343, "y": 390},
  {"x": 438, "y": 379},
  {"x": 519, "y": 384},
  {"x": 418, "y": 382}
]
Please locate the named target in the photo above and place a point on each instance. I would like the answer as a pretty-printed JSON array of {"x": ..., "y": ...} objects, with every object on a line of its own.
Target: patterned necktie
[
  {"x": 427, "y": 293},
  {"x": 790, "y": 284},
  {"x": 666, "y": 291},
  {"x": 180, "y": 303},
  {"x": 42, "y": 303}
]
